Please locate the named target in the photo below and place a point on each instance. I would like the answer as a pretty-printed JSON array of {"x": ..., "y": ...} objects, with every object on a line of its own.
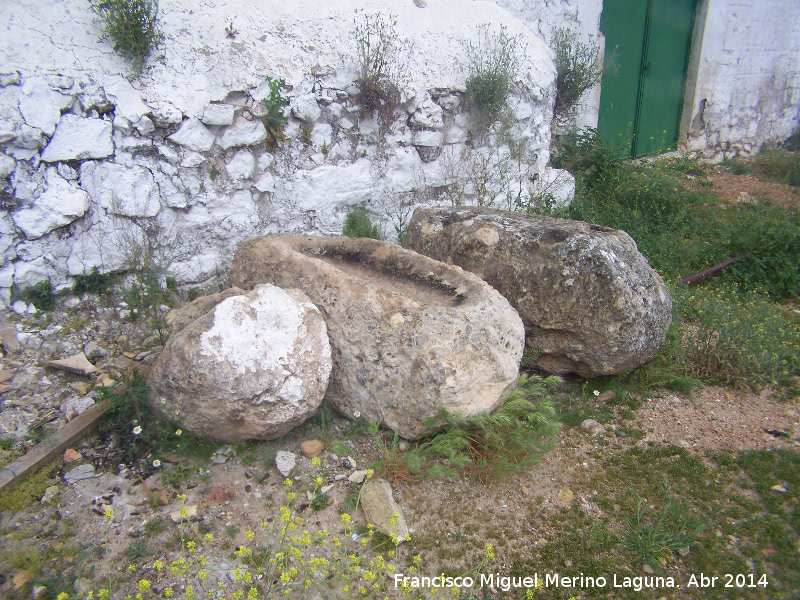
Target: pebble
[
  {"x": 285, "y": 462},
  {"x": 311, "y": 448},
  {"x": 357, "y": 476},
  {"x": 71, "y": 455},
  {"x": 78, "y": 473},
  {"x": 593, "y": 427}
]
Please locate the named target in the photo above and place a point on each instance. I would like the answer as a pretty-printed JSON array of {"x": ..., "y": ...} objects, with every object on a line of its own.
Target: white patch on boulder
[{"x": 218, "y": 114}]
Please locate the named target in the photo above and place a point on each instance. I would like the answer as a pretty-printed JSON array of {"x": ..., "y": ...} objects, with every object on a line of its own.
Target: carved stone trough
[{"x": 409, "y": 335}]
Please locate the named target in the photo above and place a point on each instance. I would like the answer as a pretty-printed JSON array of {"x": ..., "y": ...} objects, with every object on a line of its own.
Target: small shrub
[
  {"x": 93, "y": 283},
  {"x": 379, "y": 53},
  {"x": 494, "y": 63},
  {"x": 132, "y": 26},
  {"x": 41, "y": 294},
  {"x": 578, "y": 69},
  {"x": 357, "y": 224},
  {"x": 275, "y": 120},
  {"x": 488, "y": 446}
]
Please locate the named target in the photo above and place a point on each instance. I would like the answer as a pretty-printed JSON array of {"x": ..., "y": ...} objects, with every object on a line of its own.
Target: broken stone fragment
[
  {"x": 77, "y": 363},
  {"x": 381, "y": 510},
  {"x": 311, "y": 448}
]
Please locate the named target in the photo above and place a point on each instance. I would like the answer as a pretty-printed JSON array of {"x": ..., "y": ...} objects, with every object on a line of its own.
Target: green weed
[
  {"x": 93, "y": 282},
  {"x": 275, "y": 119},
  {"x": 778, "y": 164},
  {"x": 357, "y": 224},
  {"x": 577, "y": 70},
  {"x": 132, "y": 25},
  {"x": 494, "y": 61},
  {"x": 650, "y": 538},
  {"x": 379, "y": 52}
]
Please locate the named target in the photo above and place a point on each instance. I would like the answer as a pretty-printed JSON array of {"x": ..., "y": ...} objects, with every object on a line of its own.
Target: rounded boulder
[{"x": 253, "y": 367}]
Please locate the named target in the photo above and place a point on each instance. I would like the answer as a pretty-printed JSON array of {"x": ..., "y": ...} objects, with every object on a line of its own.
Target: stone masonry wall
[{"x": 96, "y": 164}]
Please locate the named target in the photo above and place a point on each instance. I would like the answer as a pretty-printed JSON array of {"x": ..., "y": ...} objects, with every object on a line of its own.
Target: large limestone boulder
[
  {"x": 410, "y": 335},
  {"x": 590, "y": 302},
  {"x": 253, "y": 367}
]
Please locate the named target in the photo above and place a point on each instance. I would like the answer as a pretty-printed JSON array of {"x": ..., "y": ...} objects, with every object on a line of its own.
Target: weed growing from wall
[
  {"x": 380, "y": 54},
  {"x": 578, "y": 69},
  {"x": 275, "y": 120},
  {"x": 357, "y": 224},
  {"x": 494, "y": 61},
  {"x": 132, "y": 26}
]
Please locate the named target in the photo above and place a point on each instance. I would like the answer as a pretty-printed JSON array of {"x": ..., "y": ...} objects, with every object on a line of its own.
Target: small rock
[
  {"x": 77, "y": 363},
  {"x": 381, "y": 510},
  {"x": 80, "y": 387},
  {"x": 420, "y": 3},
  {"x": 565, "y": 497},
  {"x": 221, "y": 455},
  {"x": 82, "y": 586},
  {"x": 186, "y": 513},
  {"x": 606, "y": 396},
  {"x": 357, "y": 476},
  {"x": 593, "y": 427},
  {"x": 402, "y": 445},
  {"x": 78, "y": 473},
  {"x": 349, "y": 461},
  {"x": 285, "y": 461},
  {"x": 8, "y": 338},
  {"x": 684, "y": 444},
  {"x": 92, "y": 351},
  {"x": 779, "y": 488},
  {"x": 21, "y": 578},
  {"x": 568, "y": 563},
  {"x": 683, "y": 551},
  {"x": 71, "y": 456},
  {"x": 50, "y": 494},
  {"x": 311, "y": 448},
  {"x": 647, "y": 569},
  {"x": 37, "y": 591}
]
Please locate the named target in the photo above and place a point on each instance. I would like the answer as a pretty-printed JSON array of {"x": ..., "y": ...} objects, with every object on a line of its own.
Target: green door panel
[
  {"x": 647, "y": 49},
  {"x": 622, "y": 23},
  {"x": 664, "y": 75}
]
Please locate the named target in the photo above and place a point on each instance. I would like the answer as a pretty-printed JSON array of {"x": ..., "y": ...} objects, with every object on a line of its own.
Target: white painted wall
[
  {"x": 748, "y": 77},
  {"x": 90, "y": 162}
]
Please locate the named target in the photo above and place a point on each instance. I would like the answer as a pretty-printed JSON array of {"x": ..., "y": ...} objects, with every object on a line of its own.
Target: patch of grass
[
  {"x": 132, "y": 26},
  {"x": 357, "y": 224},
  {"x": 652, "y": 537},
  {"x": 94, "y": 282},
  {"x": 494, "y": 60},
  {"x": 489, "y": 446},
  {"x": 778, "y": 164},
  {"x": 16, "y": 497},
  {"x": 155, "y": 526}
]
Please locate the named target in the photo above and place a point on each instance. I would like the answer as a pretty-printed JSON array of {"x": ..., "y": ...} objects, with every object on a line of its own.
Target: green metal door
[{"x": 647, "y": 50}]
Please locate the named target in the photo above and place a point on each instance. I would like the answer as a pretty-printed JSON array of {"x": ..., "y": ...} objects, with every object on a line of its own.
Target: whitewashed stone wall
[
  {"x": 93, "y": 164},
  {"x": 581, "y": 16},
  {"x": 748, "y": 79}
]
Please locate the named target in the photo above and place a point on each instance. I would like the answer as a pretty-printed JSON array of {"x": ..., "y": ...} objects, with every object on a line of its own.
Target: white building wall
[{"x": 747, "y": 89}]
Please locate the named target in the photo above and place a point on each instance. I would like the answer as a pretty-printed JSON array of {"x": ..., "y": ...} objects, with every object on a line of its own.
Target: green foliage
[
  {"x": 16, "y": 497},
  {"x": 577, "y": 70},
  {"x": 138, "y": 427},
  {"x": 779, "y": 164},
  {"x": 139, "y": 550},
  {"x": 379, "y": 52},
  {"x": 494, "y": 64},
  {"x": 650, "y": 537},
  {"x": 93, "y": 283},
  {"x": 488, "y": 446},
  {"x": 41, "y": 294},
  {"x": 132, "y": 26},
  {"x": 357, "y": 224},
  {"x": 275, "y": 120}
]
